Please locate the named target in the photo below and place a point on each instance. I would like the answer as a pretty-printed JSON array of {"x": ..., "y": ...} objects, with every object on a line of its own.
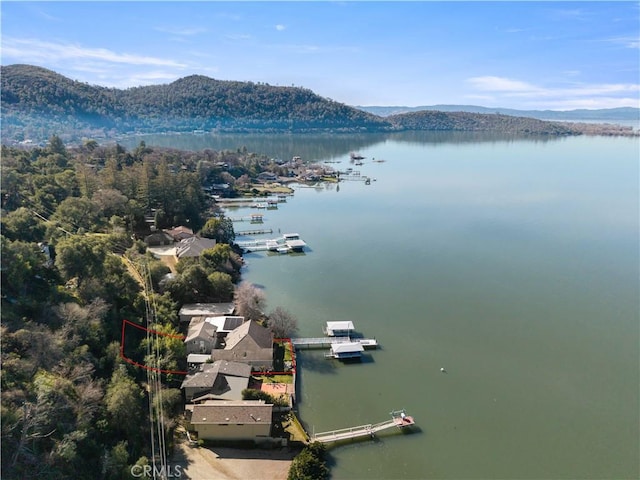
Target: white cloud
[
  {"x": 238, "y": 36},
  {"x": 500, "y": 84},
  {"x": 565, "y": 96},
  {"x": 31, "y": 50},
  {"x": 280, "y": 27},
  {"x": 627, "y": 42}
]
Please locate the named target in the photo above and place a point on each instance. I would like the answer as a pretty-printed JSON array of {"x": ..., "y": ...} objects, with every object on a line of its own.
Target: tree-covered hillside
[
  {"x": 72, "y": 407},
  {"x": 477, "y": 122},
  {"x": 37, "y": 103}
]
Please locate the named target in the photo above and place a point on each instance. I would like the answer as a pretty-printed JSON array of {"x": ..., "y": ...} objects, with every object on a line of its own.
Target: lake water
[{"x": 513, "y": 263}]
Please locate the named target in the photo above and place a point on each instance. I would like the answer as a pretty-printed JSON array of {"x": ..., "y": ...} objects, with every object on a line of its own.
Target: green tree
[
  {"x": 24, "y": 271},
  {"x": 57, "y": 146},
  {"x": 123, "y": 402},
  {"x": 168, "y": 349},
  {"x": 222, "y": 286},
  {"x": 309, "y": 464},
  {"x": 74, "y": 214},
  {"x": 219, "y": 228},
  {"x": 22, "y": 224},
  {"x": 117, "y": 462},
  {"x": 216, "y": 259},
  {"x": 81, "y": 256}
]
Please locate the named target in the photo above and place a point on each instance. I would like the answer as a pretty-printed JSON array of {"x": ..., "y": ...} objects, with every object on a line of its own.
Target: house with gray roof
[
  {"x": 201, "y": 337},
  {"x": 232, "y": 420},
  {"x": 250, "y": 343},
  {"x": 220, "y": 380},
  {"x": 157, "y": 239},
  {"x": 225, "y": 325},
  {"x": 180, "y": 233},
  {"x": 193, "y": 246}
]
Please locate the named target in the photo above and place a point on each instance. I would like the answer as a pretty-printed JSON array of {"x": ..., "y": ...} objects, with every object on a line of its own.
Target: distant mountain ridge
[
  {"x": 37, "y": 103},
  {"x": 621, "y": 113}
]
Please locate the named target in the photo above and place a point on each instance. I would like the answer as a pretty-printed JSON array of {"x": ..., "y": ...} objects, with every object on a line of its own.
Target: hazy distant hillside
[
  {"x": 37, "y": 103},
  {"x": 624, "y": 113}
]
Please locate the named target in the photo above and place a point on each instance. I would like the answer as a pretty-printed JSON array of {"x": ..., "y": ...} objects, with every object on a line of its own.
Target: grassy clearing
[
  {"x": 293, "y": 427},
  {"x": 265, "y": 189},
  {"x": 275, "y": 378}
]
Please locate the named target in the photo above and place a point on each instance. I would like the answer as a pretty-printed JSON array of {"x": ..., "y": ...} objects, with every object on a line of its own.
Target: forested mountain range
[{"x": 38, "y": 103}]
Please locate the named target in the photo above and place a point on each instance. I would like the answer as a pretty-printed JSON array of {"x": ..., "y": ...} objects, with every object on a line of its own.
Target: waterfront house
[
  {"x": 191, "y": 310},
  {"x": 180, "y": 233},
  {"x": 240, "y": 420},
  {"x": 158, "y": 239},
  {"x": 219, "y": 380},
  {"x": 267, "y": 177},
  {"x": 339, "y": 329},
  {"x": 193, "y": 247},
  {"x": 201, "y": 336},
  {"x": 250, "y": 343},
  {"x": 225, "y": 325}
]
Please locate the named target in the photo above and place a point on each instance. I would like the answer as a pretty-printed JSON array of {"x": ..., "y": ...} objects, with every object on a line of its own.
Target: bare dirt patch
[{"x": 222, "y": 463}]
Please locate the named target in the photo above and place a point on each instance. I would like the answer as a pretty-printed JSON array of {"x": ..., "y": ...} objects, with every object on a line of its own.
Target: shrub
[{"x": 310, "y": 464}]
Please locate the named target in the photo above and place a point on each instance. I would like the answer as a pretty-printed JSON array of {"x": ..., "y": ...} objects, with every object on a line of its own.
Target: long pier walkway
[
  {"x": 325, "y": 342},
  {"x": 254, "y": 232},
  {"x": 399, "y": 419}
]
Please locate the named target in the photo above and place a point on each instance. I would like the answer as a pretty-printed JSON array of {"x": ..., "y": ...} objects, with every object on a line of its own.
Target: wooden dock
[
  {"x": 253, "y": 218},
  {"x": 254, "y": 232},
  {"x": 325, "y": 342},
  {"x": 399, "y": 419}
]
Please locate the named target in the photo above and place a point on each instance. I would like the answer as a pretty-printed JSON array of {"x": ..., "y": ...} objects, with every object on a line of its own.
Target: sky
[{"x": 524, "y": 55}]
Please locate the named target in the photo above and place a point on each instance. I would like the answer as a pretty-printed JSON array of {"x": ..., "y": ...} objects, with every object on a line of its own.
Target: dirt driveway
[{"x": 221, "y": 463}]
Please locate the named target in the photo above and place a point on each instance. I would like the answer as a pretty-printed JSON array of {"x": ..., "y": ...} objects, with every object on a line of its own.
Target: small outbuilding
[{"x": 191, "y": 310}]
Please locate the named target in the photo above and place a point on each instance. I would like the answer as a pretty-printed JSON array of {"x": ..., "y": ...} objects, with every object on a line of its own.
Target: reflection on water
[{"x": 315, "y": 147}]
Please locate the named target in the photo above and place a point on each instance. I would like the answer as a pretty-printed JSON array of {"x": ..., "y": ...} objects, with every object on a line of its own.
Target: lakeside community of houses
[{"x": 227, "y": 355}]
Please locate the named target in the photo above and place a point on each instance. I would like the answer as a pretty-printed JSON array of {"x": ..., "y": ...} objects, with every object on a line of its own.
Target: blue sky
[{"x": 538, "y": 55}]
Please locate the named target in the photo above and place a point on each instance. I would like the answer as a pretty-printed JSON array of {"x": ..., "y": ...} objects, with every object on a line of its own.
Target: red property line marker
[{"x": 137, "y": 364}]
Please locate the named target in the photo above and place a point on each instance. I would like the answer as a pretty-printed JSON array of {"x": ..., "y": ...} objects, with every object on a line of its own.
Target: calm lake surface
[{"x": 513, "y": 263}]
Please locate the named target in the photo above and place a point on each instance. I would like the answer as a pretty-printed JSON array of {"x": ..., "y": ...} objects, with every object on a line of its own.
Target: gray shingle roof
[
  {"x": 248, "y": 411},
  {"x": 194, "y": 246},
  {"x": 200, "y": 329},
  {"x": 259, "y": 334}
]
